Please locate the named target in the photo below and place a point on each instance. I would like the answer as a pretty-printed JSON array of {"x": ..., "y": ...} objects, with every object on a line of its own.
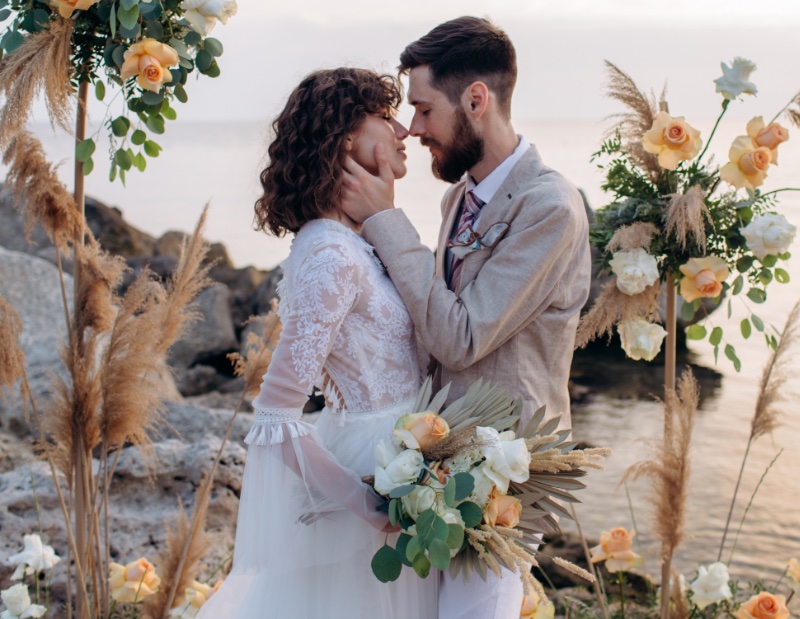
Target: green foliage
[{"x": 386, "y": 564}]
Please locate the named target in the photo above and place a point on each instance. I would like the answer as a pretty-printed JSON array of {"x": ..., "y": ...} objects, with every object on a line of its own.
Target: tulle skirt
[{"x": 285, "y": 569}]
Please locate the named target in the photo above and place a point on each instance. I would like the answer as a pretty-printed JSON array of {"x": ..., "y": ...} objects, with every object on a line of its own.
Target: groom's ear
[{"x": 475, "y": 99}]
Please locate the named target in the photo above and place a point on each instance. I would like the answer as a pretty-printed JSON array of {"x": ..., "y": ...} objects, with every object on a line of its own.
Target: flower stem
[
  {"x": 621, "y": 584},
  {"x": 769, "y": 193},
  {"x": 733, "y": 500},
  {"x": 784, "y": 108},
  {"x": 714, "y": 130}
]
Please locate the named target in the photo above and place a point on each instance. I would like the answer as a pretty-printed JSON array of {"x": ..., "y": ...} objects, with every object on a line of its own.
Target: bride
[{"x": 308, "y": 527}]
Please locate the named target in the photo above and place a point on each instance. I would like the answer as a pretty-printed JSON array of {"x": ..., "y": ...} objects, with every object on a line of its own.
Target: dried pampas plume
[
  {"x": 637, "y": 235},
  {"x": 259, "y": 346},
  {"x": 613, "y": 307},
  {"x": 687, "y": 214},
  {"x": 41, "y": 63},
  {"x": 33, "y": 182},
  {"x": 101, "y": 274},
  {"x": 794, "y": 112},
  {"x": 632, "y": 125},
  {"x": 774, "y": 386},
  {"x": 12, "y": 358},
  {"x": 669, "y": 471}
]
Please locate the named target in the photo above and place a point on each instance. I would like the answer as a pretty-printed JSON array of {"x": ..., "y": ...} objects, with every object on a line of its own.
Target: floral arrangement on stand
[
  {"x": 469, "y": 493},
  {"x": 679, "y": 222}
]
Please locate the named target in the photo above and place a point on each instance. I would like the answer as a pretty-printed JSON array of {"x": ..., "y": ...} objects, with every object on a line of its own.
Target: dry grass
[
  {"x": 12, "y": 358},
  {"x": 633, "y": 124},
  {"x": 42, "y": 63},
  {"x": 458, "y": 440},
  {"x": 637, "y": 235},
  {"x": 774, "y": 394},
  {"x": 258, "y": 350},
  {"x": 33, "y": 182},
  {"x": 669, "y": 470},
  {"x": 613, "y": 307},
  {"x": 687, "y": 215},
  {"x": 101, "y": 274},
  {"x": 177, "y": 533}
]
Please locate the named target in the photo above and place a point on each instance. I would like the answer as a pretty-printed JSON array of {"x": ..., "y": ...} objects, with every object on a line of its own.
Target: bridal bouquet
[
  {"x": 680, "y": 219},
  {"x": 146, "y": 48},
  {"x": 469, "y": 493}
]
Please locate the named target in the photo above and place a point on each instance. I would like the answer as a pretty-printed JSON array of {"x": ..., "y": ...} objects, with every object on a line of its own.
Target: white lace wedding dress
[{"x": 346, "y": 330}]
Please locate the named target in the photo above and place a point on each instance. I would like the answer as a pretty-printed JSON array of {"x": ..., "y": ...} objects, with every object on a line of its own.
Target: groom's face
[{"x": 443, "y": 127}]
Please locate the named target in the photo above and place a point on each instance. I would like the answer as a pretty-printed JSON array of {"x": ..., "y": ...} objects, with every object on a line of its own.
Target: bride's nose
[{"x": 399, "y": 130}]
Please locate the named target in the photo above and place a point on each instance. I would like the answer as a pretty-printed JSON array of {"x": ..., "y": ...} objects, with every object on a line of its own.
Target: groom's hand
[{"x": 363, "y": 194}]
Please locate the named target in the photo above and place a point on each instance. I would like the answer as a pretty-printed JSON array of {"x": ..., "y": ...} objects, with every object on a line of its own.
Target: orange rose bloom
[
  {"x": 67, "y": 7},
  {"x": 133, "y": 582},
  {"x": 703, "y": 277},
  {"x": 769, "y": 136},
  {"x": 615, "y": 549},
  {"x": 421, "y": 430},
  {"x": 765, "y": 605},
  {"x": 148, "y": 59},
  {"x": 748, "y": 163},
  {"x": 502, "y": 511},
  {"x": 672, "y": 139}
]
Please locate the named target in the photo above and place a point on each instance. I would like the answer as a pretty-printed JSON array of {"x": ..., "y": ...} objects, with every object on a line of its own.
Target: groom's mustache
[{"x": 431, "y": 142}]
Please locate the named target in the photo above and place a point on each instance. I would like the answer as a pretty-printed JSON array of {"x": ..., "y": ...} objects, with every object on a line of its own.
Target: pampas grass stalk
[
  {"x": 669, "y": 475},
  {"x": 598, "y": 583},
  {"x": 612, "y": 307},
  {"x": 771, "y": 395}
]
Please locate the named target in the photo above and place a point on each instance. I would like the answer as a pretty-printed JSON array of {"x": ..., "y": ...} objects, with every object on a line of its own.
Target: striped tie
[{"x": 464, "y": 234}]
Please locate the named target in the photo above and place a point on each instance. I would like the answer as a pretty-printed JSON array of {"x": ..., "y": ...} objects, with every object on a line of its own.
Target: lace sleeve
[{"x": 324, "y": 290}]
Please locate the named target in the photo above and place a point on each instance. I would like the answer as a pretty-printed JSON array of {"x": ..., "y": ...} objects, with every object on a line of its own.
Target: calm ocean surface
[{"x": 219, "y": 163}]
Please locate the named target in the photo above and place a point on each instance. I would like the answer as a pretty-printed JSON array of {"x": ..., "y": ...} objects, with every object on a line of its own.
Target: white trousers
[{"x": 495, "y": 598}]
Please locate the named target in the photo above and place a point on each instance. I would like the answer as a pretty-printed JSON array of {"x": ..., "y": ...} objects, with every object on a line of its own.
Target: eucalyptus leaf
[
  {"x": 782, "y": 276},
  {"x": 192, "y": 38},
  {"x": 128, "y": 4},
  {"x": 429, "y": 527},
  {"x": 450, "y": 492},
  {"x": 120, "y": 126},
  {"x": 118, "y": 56},
  {"x": 128, "y": 17},
  {"x": 139, "y": 162},
  {"x": 769, "y": 260},
  {"x": 413, "y": 549},
  {"x": 170, "y": 114},
  {"x": 744, "y": 263},
  {"x": 455, "y": 539},
  {"x": 84, "y": 150},
  {"x": 470, "y": 513},
  {"x": 439, "y": 554},
  {"x": 738, "y": 284},
  {"x": 145, "y": 8},
  {"x": 138, "y": 137},
  {"x": 756, "y": 295},
  {"x": 13, "y": 41},
  {"x": 151, "y": 148},
  {"x": 99, "y": 90},
  {"x": 716, "y": 336},
  {"x": 386, "y": 564},
  {"x": 153, "y": 98},
  {"x": 746, "y": 328},
  {"x": 400, "y": 491},
  {"x": 154, "y": 29},
  {"x": 730, "y": 353},
  {"x": 203, "y": 60},
  {"x": 213, "y": 70},
  {"x": 402, "y": 547},
  {"x": 757, "y": 322},
  {"x": 180, "y": 47},
  {"x": 41, "y": 18},
  {"x": 687, "y": 311},
  {"x": 156, "y": 125},
  {"x": 465, "y": 484},
  {"x": 696, "y": 332},
  {"x": 213, "y": 47},
  {"x": 123, "y": 159},
  {"x": 421, "y": 566},
  {"x": 88, "y": 166}
]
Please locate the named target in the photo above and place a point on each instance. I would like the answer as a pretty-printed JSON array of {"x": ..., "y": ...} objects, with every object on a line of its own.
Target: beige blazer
[{"x": 514, "y": 318}]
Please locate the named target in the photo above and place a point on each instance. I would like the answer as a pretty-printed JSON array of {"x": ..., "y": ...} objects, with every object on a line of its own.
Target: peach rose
[
  {"x": 148, "y": 59},
  {"x": 133, "y": 582},
  {"x": 534, "y": 607},
  {"x": 66, "y": 7},
  {"x": 748, "y": 163},
  {"x": 442, "y": 472},
  {"x": 503, "y": 511},
  {"x": 673, "y": 140},
  {"x": 703, "y": 277},
  {"x": 769, "y": 136},
  {"x": 615, "y": 549},
  {"x": 421, "y": 430},
  {"x": 765, "y": 605}
]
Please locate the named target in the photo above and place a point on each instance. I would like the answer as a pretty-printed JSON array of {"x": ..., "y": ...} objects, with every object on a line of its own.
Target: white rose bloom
[
  {"x": 734, "y": 79},
  {"x": 418, "y": 500},
  {"x": 635, "y": 270},
  {"x": 464, "y": 461},
  {"x": 34, "y": 558},
  {"x": 18, "y": 604},
  {"x": 399, "y": 469},
  {"x": 711, "y": 585},
  {"x": 507, "y": 460},
  {"x": 641, "y": 339},
  {"x": 203, "y": 15},
  {"x": 769, "y": 235},
  {"x": 483, "y": 487}
]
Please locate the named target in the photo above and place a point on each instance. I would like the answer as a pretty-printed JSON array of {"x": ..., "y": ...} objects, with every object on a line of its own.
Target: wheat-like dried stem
[
  {"x": 253, "y": 364},
  {"x": 687, "y": 214},
  {"x": 597, "y": 587}
]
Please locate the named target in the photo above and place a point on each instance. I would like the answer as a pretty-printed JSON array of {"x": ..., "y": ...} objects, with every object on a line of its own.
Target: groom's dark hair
[{"x": 462, "y": 51}]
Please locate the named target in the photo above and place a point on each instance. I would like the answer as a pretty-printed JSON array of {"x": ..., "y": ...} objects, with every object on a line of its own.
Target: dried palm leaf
[{"x": 42, "y": 63}]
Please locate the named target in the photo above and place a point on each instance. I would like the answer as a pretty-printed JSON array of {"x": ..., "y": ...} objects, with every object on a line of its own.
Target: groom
[{"x": 501, "y": 298}]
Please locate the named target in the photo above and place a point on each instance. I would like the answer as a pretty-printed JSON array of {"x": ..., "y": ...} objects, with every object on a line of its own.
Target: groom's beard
[{"x": 464, "y": 151}]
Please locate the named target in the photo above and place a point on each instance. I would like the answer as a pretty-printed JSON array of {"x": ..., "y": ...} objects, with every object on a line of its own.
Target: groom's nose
[{"x": 417, "y": 126}]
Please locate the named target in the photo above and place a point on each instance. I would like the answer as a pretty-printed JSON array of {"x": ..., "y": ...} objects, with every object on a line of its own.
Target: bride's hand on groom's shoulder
[{"x": 365, "y": 194}]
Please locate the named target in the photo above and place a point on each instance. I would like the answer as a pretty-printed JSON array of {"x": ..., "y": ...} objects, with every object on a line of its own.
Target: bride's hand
[{"x": 363, "y": 194}]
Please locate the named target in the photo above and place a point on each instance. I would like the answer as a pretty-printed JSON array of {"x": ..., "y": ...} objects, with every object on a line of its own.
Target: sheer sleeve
[{"x": 324, "y": 290}]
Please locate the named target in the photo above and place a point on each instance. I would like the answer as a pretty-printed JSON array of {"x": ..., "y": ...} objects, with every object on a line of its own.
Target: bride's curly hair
[{"x": 304, "y": 175}]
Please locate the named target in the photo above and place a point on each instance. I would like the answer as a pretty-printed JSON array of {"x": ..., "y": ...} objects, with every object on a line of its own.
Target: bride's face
[{"x": 380, "y": 130}]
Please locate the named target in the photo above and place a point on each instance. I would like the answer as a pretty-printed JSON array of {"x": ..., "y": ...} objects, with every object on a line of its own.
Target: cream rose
[
  {"x": 67, "y": 7},
  {"x": 793, "y": 574},
  {"x": 635, "y": 270},
  {"x": 765, "y": 605},
  {"x": 418, "y": 500},
  {"x": 203, "y": 15},
  {"x": 420, "y": 430},
  {"x": 673, "y": 140},
  {"x": 615, "y": 549},
  {"x": 503, "y": 511},
  {"x": 34, "y": 558},
  {"x": 507, "y": 458},
  {"x": 149, "y": 60},
  {"x": 534, "y": 607},
  {"x": 703, "y": 277},
  {"x": 711, "y": 585},
  {"x": 769, "y": 136},
  {"x": 196, "y": 595},
  {"x": 133, "y": 582},
  {"x": 483, "y": 487},
  {"x": 734, "y": 80},
  {"x": 748, "y": 163},
  {"x": 769, "y": 235},
  {"x": 395, "y": 467},
  {"x": 18, "y": 603},
  {"x": 641, "y": 339}
]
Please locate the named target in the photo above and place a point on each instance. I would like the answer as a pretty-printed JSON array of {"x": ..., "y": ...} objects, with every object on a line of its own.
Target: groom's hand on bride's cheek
[{"x": 365, "y": 194}]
